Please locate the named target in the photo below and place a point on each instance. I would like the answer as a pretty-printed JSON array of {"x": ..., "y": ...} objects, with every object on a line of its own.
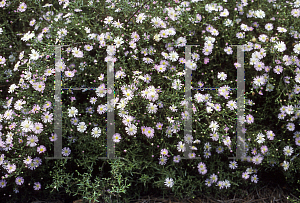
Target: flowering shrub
[{"x": 149, "y": 62}]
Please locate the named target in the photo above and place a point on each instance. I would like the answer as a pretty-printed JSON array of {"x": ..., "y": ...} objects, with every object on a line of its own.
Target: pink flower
[
  {"x": 37, "y": 186},
  {"x": 264, "y": 149},
  {"x": 297, "y": 141},
  {"x": 22, "y": 7},
  {"x": 164, "y": 152},
  {"x": 35, "y": 109},
  {"x": 206, "y": 60},
  {"x": 73, "y": 98},
  {"x": 41, "y": 149}
]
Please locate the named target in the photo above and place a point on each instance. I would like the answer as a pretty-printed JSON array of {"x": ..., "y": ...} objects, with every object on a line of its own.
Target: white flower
[
  {"x": 12, "y": 88},
  {"x": 280, "y": 46},
  {"x": 96, "y": 132},
  {"x": 222, "y": 76},
  {"x": 117, "y": 24},
  {"x": 19, "y": 103},
  {"x": 259, "y": 80},
  {"x": 170, "y": 120},
  {"x": 77, "y": 52},
  {"x": 169, "y": 182},
  {"x": 281, "y": 29},
  {"x": 181, "y": 147},
  {"x": 87, "y": 30},
  {"x": 224, "y": 13},
  {"x": 81, "y": 127},
  {"x": 118, "y": 41},
  {"x": 297, "y": 4},
  {"x": 173, "y": 108},
  {"x": 288, "y": 151},
  {"x": 62, "y": 32},
  {"x": 171, "y": 31},
  {"x": 226, "y": 183},
  {"x": 157, "y": 37},
  {"x": 111, "y": 50},
  {"x": 156, "y": 21},
  {"x": 188, "y": 138},
  {"x": 140, "y": 18},
  {"x": 73, "y": 112},
  {"x": 191, "y": 65},
  {"x": 152, "y": 108},
  {"x": 177, "y": 84},
  {"x": 108, "y": 20},
  {"x": 34, "y": 55},
  {"x": 297, "y": 49},
  {"x": 214, "y": 126},
  {"x": 269, "y": 26},
  {"x": 131, "y": 130},
  {"x": 260, "y": 14},
  {"x": 260, "y": 138},
  {"x": 173, "y": 56},
  {"x": 285, "y": 165},
  {"x": 27, "y": 36},
  {"x": 27, "y": 125},
  {"x": 233, "y": 164}
]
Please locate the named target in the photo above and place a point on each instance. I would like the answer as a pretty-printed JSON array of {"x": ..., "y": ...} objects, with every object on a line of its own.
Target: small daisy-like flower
[
  {"x": 169, "y": 182},
  {"x": 285, "y": 165},
  {"x": 207, "y": 154},
  {"x": 254, "y": 178},
  {"x": 288, "y": 151},
  {"x": 176, "y": 159},
  {"x": 249, "y": 119},
  {"x": 280, "y": 46},
  {"x": 11, "y": 168},
  {"x": 96, "y": 132},
  {"x": 208, "y": 182},
  {"x": 181, "y": 147},
  {"x": 269, "y": 26},
  {"x": 226, "y": 184},
  {"x": 72, "y": 112},
  {"x": 19, "y": 180},
  {"x": 214, "y": 178},
  {"x": 201, "y": 165},
  {"x": 41, "y": 149},
  {"x": 37, "y": 186},
  {"x": 81, "y": 127},
  {"x": 173, "y": 56},
  {"x": 245, "y": 175},
  {"x": 191, "y": 155},
  {"x": 297, "y": 49},
  {"x": 163, "y": 160},
  {"x": 31, "y": 140},
  {"x": 188, "y": 138},
  {"x": 222, "y": 76},
  {"x": 117, "y": 137},
  {"x": 53, "y": 137},
  {"x": 108, "y": 20},
  {"x": 22, "y": 7},
  {"x": 140, "y": 18},
  {"x": 66, "y": 151},
  {"x": 290, "y": 126},
  {"x": 131, "y": 129},
  {"x": 3, "y": 183},
  {"x": 233, "y": 164},
  {"x": 260, "y": 138},
  {"x": 28, "y": 160},
  {"x": 220, "y": 184}
]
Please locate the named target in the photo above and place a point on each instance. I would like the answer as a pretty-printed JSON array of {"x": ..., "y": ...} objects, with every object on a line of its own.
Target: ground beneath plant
[{"x": 270, "y": 193}]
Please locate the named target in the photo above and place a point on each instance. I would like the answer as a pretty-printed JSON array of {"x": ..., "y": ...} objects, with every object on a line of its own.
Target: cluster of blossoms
[{"x": 151, "y": 93}]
